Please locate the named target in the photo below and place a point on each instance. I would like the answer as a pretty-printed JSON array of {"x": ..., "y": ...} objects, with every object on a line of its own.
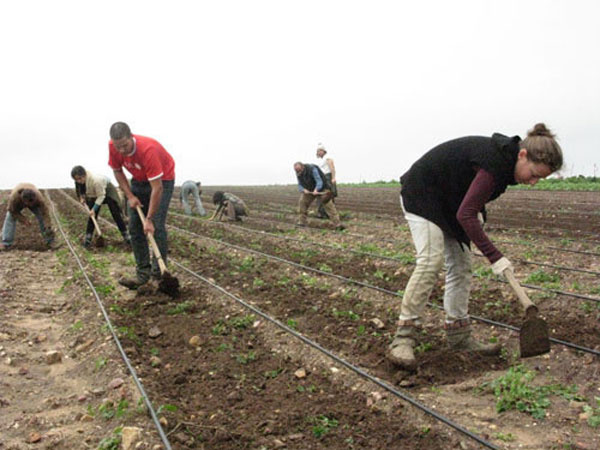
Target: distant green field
[{"x": 579, "y": 183}]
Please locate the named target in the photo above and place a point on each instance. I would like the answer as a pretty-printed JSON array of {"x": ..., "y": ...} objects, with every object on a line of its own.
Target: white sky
[{"x": 237, "y": 91}]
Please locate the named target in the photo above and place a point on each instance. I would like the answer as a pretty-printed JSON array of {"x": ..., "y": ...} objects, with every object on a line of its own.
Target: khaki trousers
[
  {"x": 434, "y": 248},
  {"x": 305, "y": 201}
]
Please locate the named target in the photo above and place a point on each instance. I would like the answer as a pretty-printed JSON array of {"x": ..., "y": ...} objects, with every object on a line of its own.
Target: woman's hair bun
[{"x": 540, "y": 130}]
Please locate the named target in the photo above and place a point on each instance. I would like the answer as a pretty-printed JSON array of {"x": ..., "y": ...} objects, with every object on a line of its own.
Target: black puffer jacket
[{"x": 435, "y": 185}]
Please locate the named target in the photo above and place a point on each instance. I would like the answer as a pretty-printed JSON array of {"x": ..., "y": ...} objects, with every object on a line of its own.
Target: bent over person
[
  {"x": 229, "y": 203},
  {"x": 153, "y": 171},
  {"x": 312, "y": 183},
  {"x": 95, "y": 191},
  {"x": 26, "y": 195},
  {"x": 442, "y": 196},
  {"x": 192, "y": 188}
]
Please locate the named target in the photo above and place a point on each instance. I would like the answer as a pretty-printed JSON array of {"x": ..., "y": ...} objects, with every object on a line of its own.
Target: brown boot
[
  {"x": 401, "y": 351},
  {"x": 458, "y": 335}
]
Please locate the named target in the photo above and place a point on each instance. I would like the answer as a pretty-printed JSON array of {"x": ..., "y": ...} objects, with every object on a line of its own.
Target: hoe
[
  {"x": 533, "y": 338},
  {"x": 100, "y": 239},
  {"x": 168, "y": 283}
]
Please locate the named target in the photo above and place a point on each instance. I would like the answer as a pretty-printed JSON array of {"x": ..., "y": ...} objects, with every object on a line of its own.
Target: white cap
[{"x": 320, "y": 146}]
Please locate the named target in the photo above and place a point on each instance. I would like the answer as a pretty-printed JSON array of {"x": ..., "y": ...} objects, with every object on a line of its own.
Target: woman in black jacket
[{"x": 443, "y": 198}]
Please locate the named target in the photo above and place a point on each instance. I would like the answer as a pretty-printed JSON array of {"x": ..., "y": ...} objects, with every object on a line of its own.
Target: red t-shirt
[{"x": 148, "y": 162}]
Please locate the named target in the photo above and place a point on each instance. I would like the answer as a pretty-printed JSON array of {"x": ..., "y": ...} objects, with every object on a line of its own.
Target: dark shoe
[
  {"x": 3, "y": 247},
  {"x": 87, "y": 242},
  {"x": 126, "y": 238},
  {"x": 300, "y": 224},
  {"x": 131, "y": 282},
  {"x": 340, "y": 228},
  {"x": 53, "y": 245}
]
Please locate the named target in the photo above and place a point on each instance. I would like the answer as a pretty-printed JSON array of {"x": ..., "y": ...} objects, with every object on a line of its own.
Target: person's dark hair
[
  {"x": 28, "y": 195},
  {"x": 542, "y": 147},
  {"x": 218, "y": 197},
  {"x": 119, "y": 130},
  {"x": 77, "y": 171}
]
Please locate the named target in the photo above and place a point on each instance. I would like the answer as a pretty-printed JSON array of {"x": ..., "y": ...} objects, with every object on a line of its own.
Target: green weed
[
  {"x": 322, "y": 425},
  {"x": 180, "y": 308},
  {"x": 242, "y": 322},
  {"x": 515, "y": 390},
  {"x": 101, "y": 363},
  {"x": 112, "y": 442},
  {"x": 246, "y": 358},
  {"x": 593, "y": 413},
  {"x": 342, "y": 314}
]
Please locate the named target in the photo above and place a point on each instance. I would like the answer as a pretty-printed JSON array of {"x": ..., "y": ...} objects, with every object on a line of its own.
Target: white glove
[{"x": 501, "y": 265}]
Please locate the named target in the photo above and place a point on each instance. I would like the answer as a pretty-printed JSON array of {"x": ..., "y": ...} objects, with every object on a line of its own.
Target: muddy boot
[
  {"x": 132, "y": 282},
  {"x": 87, "y": 241},
  {"x": 401, "y": 351},
  {"x": 458, "y": 335}
]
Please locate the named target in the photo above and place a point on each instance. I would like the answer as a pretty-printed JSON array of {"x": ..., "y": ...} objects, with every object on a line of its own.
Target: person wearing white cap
[{"x": 328, "y": 168}]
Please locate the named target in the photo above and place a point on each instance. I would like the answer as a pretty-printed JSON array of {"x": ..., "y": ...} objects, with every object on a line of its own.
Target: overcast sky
[{"x": 237, "y": 91}]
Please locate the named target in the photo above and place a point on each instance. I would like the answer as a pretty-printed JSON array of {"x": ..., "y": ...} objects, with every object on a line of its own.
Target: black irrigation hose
[
  {"x": 342, "y": 361},
  {"x": 374, "y": 255},
  {"x": 560, "y": 249},
  {"x": 366, "y": 285},
  {"x": 387, "y": 212},
  {"x": 303, "y": 338},
  {"x": 138, "y": 383},
  {"x": 530, "y": 286}
]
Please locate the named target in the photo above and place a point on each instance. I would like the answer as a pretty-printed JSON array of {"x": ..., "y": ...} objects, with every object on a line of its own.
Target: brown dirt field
[{"x": 239, "y": 384}]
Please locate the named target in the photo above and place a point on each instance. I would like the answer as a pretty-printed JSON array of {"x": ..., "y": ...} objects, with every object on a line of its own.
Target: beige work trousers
[{"x": 326, "y": 197}]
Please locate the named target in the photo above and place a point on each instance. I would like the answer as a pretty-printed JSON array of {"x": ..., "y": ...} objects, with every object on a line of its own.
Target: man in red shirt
[{"x": 153, "y": 170}]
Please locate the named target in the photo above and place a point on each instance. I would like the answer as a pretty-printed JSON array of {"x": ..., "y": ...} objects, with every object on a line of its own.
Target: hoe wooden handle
[
  {"x": 528, "y": 305},
  {"x": 155, "y": 250},
  {"x": 94, "y": 220}
]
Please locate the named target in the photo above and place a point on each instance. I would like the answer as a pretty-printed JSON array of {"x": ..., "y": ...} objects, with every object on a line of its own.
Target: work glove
[{"x": 501, "y": 265}]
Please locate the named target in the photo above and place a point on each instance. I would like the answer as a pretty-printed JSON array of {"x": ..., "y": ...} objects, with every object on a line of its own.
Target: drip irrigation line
[
  {"x": 530, "y": 286},
  {"x": 565, "y": 250},
  {"x": 363, "y": 284},
  {"x": 560, "y": 249},
  {"x": 136, "y": 380},
  {"x": 374, "y": 255},
  {"x": 498, "y": 280},
  {"x": 288, "y": 238},
  {"x": 362, "y": 373}
]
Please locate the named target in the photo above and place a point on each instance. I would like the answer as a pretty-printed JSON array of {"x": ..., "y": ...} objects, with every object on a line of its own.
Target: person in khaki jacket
[
  {"x": 26, "y": 195},
  {"x": 96, "y": 190}
]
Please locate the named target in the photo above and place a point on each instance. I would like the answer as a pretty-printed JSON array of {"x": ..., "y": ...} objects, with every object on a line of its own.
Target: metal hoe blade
[{"x": 534, "y": 339}]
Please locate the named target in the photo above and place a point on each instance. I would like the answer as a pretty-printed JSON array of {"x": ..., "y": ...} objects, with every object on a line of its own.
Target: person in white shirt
[
  {"x": 327, "y": 166},
  {"x": 96, "y": 190}
]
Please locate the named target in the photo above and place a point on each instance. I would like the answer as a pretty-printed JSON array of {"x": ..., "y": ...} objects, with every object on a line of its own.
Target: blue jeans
[
  {"x": 186, "y": 190},
  {"x": 10, "y": 225},
  {"x": 139, "y": 242}
]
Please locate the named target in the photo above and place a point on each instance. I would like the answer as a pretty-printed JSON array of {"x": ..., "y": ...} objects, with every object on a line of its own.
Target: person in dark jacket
[
  {"x": 443, "y": 198},
  {"x": 312, "y": 183}
]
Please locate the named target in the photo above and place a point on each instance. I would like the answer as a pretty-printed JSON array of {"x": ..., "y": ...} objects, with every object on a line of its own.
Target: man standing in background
[
  {"x": 153, "y": 170},
  {"x": 328, "y": 168}
]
